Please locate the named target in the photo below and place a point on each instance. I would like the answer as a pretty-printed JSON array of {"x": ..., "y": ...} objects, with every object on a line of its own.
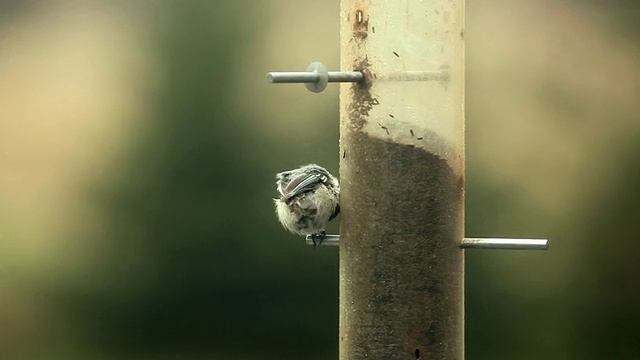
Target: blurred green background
[{"x": 139, "y": 142}]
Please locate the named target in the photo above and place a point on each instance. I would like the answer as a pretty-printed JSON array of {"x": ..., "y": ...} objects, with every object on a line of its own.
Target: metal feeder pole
[{"x": 402, "y": 180}]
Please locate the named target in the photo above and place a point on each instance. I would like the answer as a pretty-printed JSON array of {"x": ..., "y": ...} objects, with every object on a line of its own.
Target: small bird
[{"x": 309, "y": 199}]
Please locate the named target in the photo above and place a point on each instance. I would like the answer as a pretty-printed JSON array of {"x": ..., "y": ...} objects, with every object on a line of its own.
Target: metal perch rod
[{"x": 467, "y": 243}]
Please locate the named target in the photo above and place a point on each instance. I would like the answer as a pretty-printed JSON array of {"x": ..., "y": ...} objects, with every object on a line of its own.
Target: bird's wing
[
  {"x": 301, "y": 184},
  {"x": 283, "y": 179}
]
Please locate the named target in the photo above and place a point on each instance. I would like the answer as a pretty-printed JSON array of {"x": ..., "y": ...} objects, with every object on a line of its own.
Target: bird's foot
[{"x": 319, "y": 236}]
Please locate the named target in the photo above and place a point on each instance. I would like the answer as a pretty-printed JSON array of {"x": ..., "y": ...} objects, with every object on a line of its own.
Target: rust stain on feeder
[
  {"x": 363, "y": 100},
  {"x": 361, "y": 24}
]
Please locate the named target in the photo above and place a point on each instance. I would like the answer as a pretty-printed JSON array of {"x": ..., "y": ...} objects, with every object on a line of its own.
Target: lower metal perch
[{"x": 467, "y": 243}]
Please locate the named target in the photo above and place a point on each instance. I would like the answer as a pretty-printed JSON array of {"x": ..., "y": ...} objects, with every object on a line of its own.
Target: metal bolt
[
  {"x": 315, "y": 77},
  {"x": 467, "y": 243}
]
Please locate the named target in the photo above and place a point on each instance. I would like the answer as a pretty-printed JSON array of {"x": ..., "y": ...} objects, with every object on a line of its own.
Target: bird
[{"x": 309, "y": 199}]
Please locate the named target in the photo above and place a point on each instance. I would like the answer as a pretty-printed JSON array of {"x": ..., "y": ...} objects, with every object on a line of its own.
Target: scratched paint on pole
[{"x": 402, "y": 181}]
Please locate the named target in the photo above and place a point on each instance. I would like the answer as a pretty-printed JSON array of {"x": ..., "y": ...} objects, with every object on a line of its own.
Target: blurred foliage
[
  {"x": 195, "y": 264},
  {"x": 606, "y": 298}
]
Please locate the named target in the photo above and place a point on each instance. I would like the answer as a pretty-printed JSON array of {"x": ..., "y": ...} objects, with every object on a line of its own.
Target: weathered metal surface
[{"x": 402, "y": 181}]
